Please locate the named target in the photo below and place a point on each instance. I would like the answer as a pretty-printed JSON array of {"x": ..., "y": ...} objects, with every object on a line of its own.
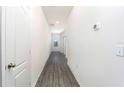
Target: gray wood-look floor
[{"x": 56, "y": 73}]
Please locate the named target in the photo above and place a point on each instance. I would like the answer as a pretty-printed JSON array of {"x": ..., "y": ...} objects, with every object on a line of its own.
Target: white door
[{"x": 17, "y": 47}]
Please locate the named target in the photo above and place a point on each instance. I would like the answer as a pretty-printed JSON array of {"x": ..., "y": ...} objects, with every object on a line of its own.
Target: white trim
[{"x": 3, "y": 44}]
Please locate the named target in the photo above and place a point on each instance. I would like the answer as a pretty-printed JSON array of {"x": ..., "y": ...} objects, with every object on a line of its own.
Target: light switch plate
[{"x": 120, "y": 50}]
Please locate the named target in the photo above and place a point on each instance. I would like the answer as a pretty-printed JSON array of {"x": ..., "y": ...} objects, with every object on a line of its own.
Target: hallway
[
  {"x": 56, "y": 73},
  {"x": 41, "y": 46}
]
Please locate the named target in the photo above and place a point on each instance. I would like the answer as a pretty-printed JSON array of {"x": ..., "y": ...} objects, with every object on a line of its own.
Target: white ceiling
[{"x": 56, "y": 13}]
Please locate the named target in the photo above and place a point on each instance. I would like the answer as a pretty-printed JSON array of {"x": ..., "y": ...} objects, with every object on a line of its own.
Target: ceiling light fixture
[{"x": 57, "y": 22}]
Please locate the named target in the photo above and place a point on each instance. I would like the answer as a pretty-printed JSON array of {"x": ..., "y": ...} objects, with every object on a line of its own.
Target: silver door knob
[{"x": 11, "y": 65}]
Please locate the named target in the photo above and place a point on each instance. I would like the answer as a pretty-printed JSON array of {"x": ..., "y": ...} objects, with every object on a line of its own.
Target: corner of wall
[{"x": 74, "y": 73}]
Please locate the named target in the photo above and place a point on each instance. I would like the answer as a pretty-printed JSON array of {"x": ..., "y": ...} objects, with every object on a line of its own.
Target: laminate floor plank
[{"x": 57, "y": 73}]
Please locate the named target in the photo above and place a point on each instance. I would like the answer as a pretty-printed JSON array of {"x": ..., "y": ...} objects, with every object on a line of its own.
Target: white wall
[
  {"x": 0, "y": 50},
  {"x": 92, "y": 54},
  {"x": 40, "y": 44}
]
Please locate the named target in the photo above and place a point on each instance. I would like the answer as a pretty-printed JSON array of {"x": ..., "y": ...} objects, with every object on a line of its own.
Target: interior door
[{"x": 17, "y": 47}]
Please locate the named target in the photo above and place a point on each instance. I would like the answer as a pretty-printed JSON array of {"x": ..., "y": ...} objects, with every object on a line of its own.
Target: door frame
[
  {"x": 65, "y": 46},
  {"x": 3, "y": 44}
]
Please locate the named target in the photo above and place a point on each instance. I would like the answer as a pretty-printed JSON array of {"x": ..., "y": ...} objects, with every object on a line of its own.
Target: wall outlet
[{"x": 120, "y": 50}]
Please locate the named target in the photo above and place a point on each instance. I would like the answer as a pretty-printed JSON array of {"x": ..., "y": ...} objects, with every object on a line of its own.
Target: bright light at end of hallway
[{"x": 57, "y": 31}]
